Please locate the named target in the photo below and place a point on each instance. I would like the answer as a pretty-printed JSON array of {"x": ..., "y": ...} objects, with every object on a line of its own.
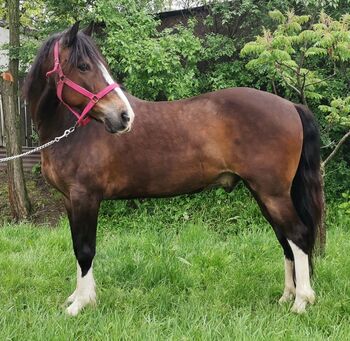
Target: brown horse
[{"x": 174, "y": 148}]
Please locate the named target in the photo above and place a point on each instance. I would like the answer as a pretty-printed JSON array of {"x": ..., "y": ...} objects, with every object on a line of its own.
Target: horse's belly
[{"x": 174, "y": 181}]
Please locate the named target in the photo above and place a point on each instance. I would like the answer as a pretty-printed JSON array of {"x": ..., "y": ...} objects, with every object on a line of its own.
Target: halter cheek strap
[{"x": 82, "y": 117}]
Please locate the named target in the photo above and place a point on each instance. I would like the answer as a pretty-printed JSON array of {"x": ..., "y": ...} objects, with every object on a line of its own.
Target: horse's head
[{"x": 81, "y": 63}]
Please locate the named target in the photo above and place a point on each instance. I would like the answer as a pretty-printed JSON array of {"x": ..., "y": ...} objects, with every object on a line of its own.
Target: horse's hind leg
[
  {"x": 82, "y": 213},
  {"x": 298, "y": 235},
  {"x": 295, "y": 238},
  {"x": 289, "y": 285}
]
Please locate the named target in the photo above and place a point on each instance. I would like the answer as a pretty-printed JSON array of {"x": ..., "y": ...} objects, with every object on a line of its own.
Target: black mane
[{"x": 82, "y": 48}]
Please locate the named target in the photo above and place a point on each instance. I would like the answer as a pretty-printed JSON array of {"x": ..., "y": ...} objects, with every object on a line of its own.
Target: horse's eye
[{"x": 83, "y": 67}]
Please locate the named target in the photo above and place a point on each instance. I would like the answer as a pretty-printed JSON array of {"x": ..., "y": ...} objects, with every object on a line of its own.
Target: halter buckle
[{"x": 95, "y": 99}]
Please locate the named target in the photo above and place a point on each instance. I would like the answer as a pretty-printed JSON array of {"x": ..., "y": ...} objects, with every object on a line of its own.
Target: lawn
[{"x": 204, "y": 267}]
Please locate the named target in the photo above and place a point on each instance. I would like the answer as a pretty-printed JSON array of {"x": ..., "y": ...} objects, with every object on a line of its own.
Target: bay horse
[{"x": 172, "y": 148}]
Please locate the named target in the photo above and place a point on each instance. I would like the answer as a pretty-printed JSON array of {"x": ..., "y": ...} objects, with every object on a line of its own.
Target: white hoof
[
  {"x": 71, "y": 298},
  {"x": 301, "y": 302},
  {"x": 299, "y": 307},
  {"x": 73, "y": 309},
  {"x": 311, "y": 297},
  {"x": 79, "y": 303},
  {"x": 287, "y": 296}
]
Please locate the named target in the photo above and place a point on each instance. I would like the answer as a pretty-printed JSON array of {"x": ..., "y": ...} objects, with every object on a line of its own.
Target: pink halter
[{"x": 83, "y": 119}]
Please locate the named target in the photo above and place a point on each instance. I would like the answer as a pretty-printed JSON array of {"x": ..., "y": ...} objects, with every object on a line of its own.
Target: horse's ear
[
  {"x": 71, "y": 34},
  {"x": 89, "y": 30}
]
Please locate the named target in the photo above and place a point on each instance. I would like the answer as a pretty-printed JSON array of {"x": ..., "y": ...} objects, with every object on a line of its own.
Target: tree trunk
[
  {"x": 321, "y": 240},
  {"x": 18, "y": 196},
  {"x": 320, "y": 247}
]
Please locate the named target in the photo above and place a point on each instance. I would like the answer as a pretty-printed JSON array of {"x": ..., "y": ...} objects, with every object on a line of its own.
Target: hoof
[
  {"x": 71, "y": 298},
  {"x": 80, "y": 300},
  {"x": 299, "y": 307},
  {"x": 78, "y": 304},
  {"x": 301, "y": 302},
  {"x": 286, "y": 297},
  {"x": 73, "y": 309}
]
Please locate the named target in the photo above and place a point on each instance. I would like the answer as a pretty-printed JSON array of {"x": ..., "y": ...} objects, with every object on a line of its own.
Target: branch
[
  {"x": 341, "y": 141},
  {"x": 287, "y": 66},
  {"x": 299, "y": 92},
  {"x": 328, "y": 145},
  {"x": 320, "y": 81},
  {"x": 274, "y": 87},
  {"x": 278, "y": 66},
  {"x": 302, "y": 89},
  {"x": 304, "y": 81},
  {"x": 302, "y": 57},
  {"x": 291, "y": 85},
  {"x": 290, "y": 78}
]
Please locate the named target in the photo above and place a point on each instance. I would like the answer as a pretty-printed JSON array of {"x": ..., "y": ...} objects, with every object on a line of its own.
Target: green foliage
[
  {"x": 152, "y": 64},
  {"x": 337, "y": 178},
  {"x": 292, "y": 54},
  {"x": 217, "y": 46},
  {"x": 338, "y": 113},
  {"x": 345, "y": 206},
  {"x": 221, "y": 211},
  {"x": 3, "y": 9},
  {"x": 36, "y": 169},
  {"x": 226, "y": 75}
]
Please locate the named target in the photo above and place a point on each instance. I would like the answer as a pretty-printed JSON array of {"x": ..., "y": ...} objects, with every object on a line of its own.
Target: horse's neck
[{"x": 46, "y": 116}]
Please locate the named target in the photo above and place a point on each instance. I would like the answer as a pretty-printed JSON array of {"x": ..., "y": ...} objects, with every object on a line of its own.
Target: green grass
[{"x": 195, "y": 268}]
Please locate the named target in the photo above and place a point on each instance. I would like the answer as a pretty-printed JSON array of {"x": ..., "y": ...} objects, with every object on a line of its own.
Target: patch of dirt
[{"x": 47, "y": 203}]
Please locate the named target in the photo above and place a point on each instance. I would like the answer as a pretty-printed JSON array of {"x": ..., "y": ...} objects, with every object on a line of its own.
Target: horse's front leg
[{"x": 82, "y": 213}]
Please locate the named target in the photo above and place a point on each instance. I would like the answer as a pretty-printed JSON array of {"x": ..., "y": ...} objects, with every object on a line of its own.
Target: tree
[
  {"x": 338, "y": 118},
  {"x": 305, "y": 61},
  {"x": 18, "y": 196}
]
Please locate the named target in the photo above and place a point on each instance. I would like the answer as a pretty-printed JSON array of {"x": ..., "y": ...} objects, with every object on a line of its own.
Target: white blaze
[{"x": 119, "y": 91}]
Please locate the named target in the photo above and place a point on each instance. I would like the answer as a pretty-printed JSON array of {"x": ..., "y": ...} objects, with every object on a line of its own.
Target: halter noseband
[{"x": 83, "y": 119}]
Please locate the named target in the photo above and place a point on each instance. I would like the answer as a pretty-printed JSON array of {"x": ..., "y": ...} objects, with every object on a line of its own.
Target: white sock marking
[
  {"x": 84, "y": 293},
  {"x": 304, "y": 292},
  {"x": 289, "y": 287}
]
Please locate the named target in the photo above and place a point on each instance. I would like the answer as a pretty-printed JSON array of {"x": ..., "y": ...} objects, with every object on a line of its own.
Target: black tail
[{"x": 307, "y": 187}]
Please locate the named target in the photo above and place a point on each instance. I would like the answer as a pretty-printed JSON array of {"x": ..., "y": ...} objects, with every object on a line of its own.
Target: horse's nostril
[{"x": 125, "y": 117}]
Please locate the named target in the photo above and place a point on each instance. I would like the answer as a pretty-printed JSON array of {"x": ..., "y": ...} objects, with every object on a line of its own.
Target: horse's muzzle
[{"x": 117, "y": 123}]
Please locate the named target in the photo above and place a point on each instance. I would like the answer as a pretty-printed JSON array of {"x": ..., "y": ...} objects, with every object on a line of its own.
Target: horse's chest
[{"x": 49, "y": 170}]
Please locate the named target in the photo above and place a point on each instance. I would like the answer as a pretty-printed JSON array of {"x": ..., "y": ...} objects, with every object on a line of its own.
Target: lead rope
[{"x": 48, "y": 144}]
